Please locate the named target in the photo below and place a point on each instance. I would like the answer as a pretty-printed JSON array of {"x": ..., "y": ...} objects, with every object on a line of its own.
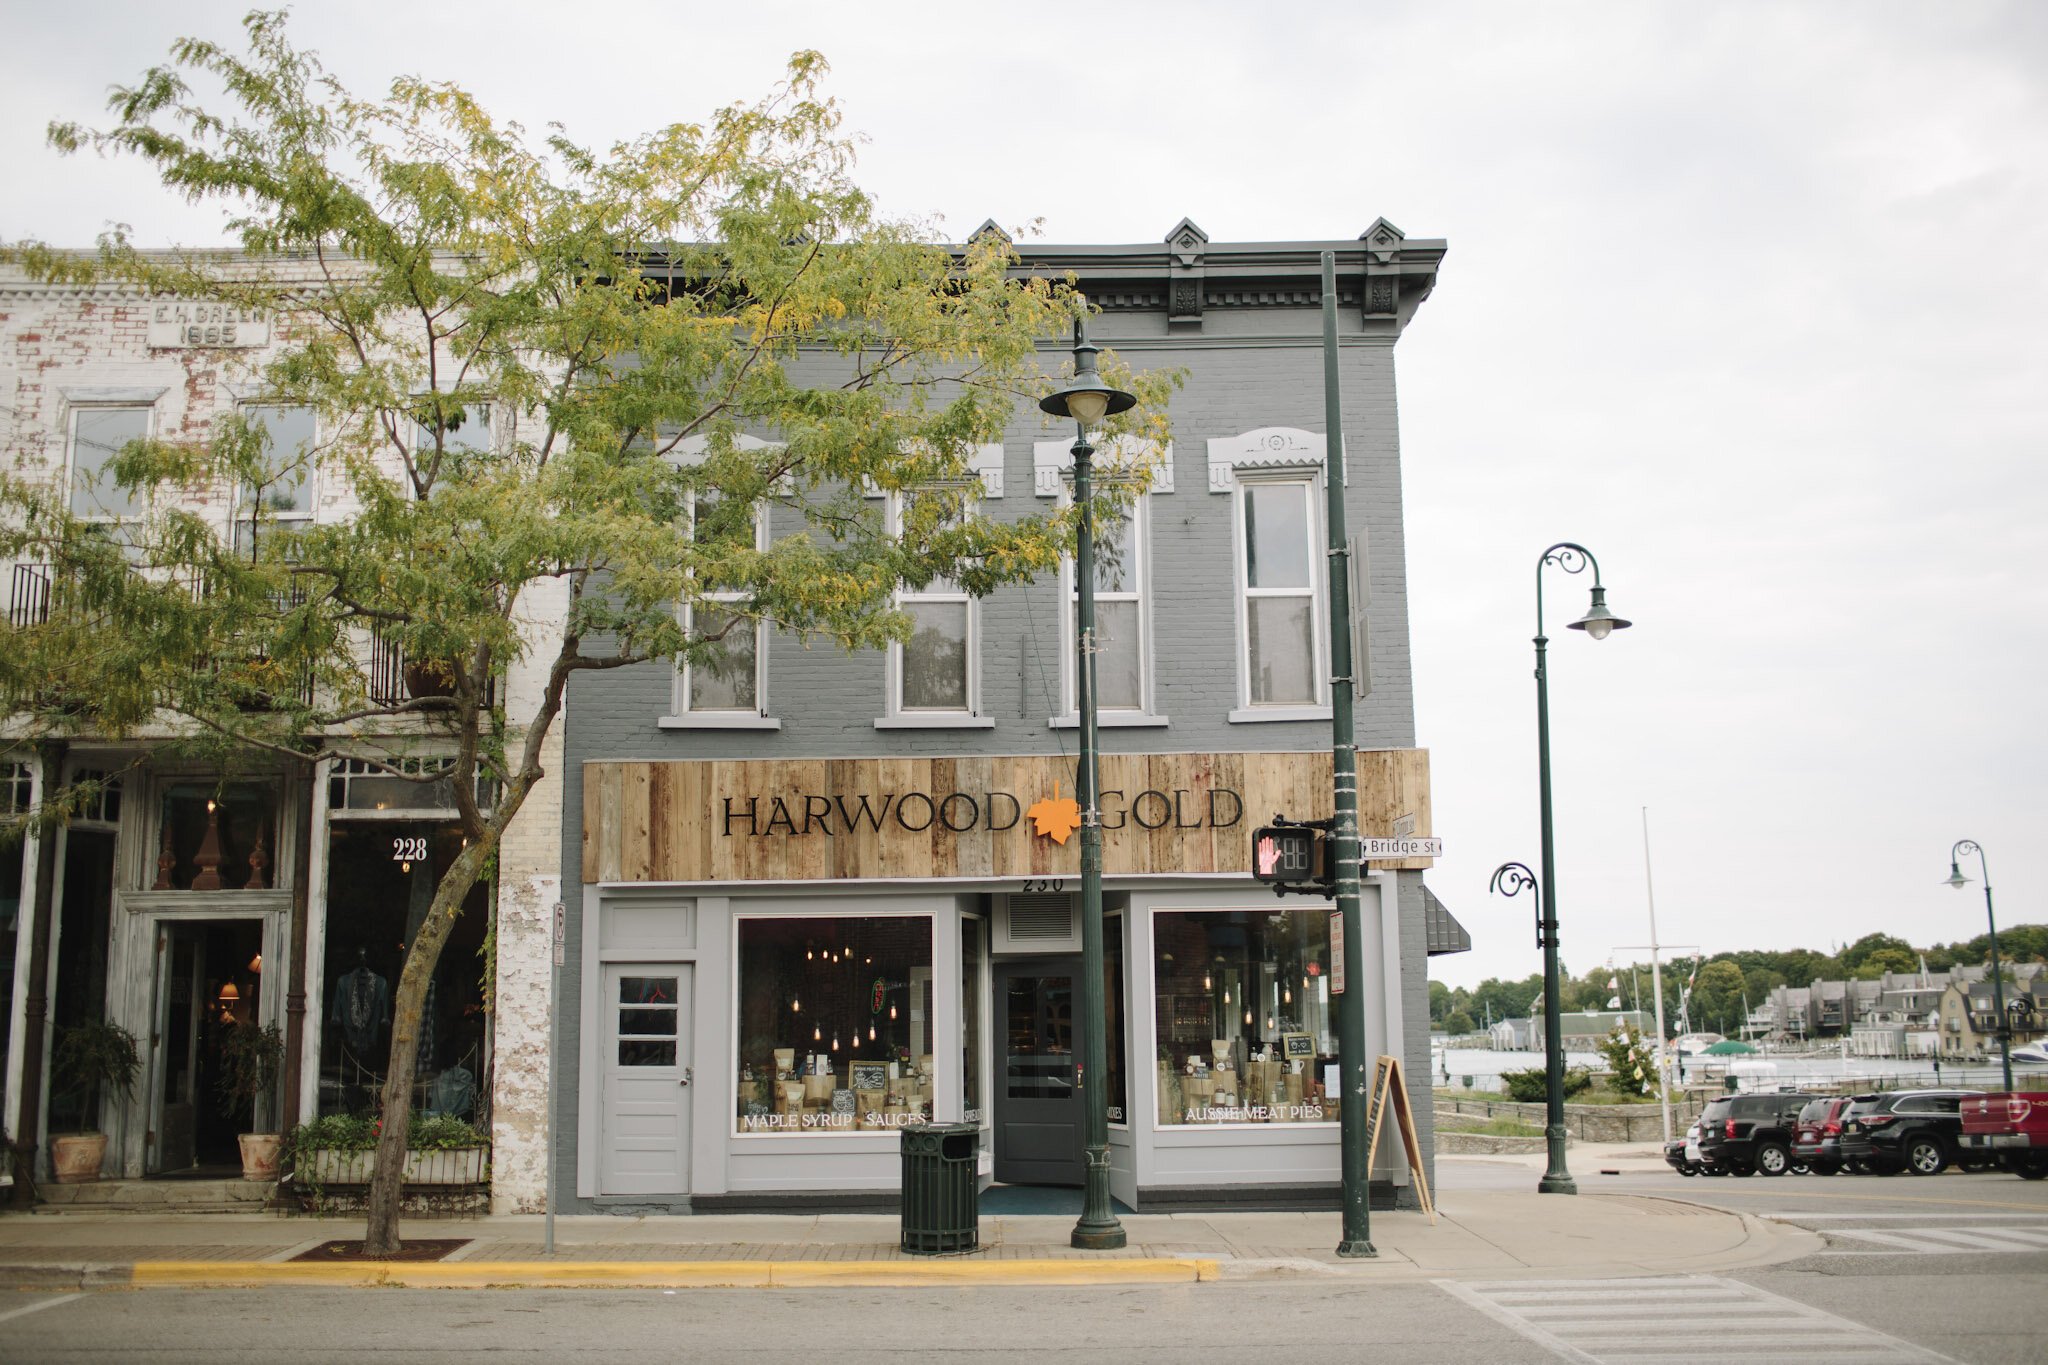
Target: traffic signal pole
[{"x": 1351, "y": 1058}]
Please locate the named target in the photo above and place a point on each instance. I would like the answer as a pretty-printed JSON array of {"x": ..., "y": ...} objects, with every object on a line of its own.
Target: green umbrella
[{"x": 1728, "y": 1047}]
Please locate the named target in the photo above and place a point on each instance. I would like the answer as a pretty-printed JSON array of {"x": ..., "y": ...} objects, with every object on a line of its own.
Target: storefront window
[
  {"x": 1245, "y": 1023},
  {"x": 217, "y": 838},
  {"x": 1113, "y": 1006},
  {"x": 973, "y": 964},
  {"x": 380, "y": 885},
  {"x": 835, "y": 1023}
]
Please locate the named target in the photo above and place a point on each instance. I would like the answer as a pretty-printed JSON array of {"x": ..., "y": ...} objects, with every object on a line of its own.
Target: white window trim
[
  {"x": 238, "y": 508},
  {"x": 683, "y": 717},
  {"x": 1139, "y": 716},
  {"x": 102, "y": 400},
  {"x": 896, "y": 716},
  {"x": 736, "y": 1134},
  {"x": 1246, "y": 712}
]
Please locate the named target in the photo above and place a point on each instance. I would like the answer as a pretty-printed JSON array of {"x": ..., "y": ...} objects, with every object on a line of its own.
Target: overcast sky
[{"x": 1749, "y": 298}]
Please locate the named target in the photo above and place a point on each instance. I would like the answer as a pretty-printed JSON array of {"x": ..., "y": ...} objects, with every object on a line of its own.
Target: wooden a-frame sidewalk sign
[{"x": 1387, "y": 1082}]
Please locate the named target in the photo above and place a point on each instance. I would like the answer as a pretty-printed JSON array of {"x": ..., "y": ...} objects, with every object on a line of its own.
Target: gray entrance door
[
  {"x": 1038, "y": 1041},
  {"x": 645, "y": 1074},
  {"x": 174, "y": 1041}
]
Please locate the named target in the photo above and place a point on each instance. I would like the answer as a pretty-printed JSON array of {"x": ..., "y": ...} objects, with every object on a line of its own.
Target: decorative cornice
[
  {"x": 1266, "y": 448},
  {"x": 1052, "y": 463}
]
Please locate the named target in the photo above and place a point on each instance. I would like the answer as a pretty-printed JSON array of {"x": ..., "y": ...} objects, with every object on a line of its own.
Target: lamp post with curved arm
[
  {"x": 1598, "y": 623},
  {"x": 1511, "y": 879},
  {"x": 1956, "y": 879}
]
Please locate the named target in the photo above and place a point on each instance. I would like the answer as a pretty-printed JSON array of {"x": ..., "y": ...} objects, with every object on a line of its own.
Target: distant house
[{"x": 1516, "y": 1035}]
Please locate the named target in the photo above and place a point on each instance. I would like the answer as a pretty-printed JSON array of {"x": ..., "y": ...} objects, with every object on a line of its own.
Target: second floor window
[
  {"x": 1123, "y": 654},
  {"x": 933, "y": 673},
  {"x": 286, "y": 493},
  {"x": 728, "y": 678},
  {"x": 97, "y": 436},
  {"x": 1281, "y": 579}
]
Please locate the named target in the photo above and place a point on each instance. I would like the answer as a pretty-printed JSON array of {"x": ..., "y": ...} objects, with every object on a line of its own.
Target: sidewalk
[{"x": 1493, "y": 1232}]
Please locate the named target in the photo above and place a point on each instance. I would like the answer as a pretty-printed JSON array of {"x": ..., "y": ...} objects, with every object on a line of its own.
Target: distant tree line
[{"x": 1723, "y": 981}]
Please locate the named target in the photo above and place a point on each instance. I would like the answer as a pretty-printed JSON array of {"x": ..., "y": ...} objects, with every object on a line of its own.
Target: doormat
[{"x": 409, "y": 1250}]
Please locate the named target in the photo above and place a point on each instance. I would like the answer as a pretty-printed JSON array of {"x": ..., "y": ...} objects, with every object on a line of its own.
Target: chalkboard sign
[
  {"x": 1299, "y": 1045},
  {"x": 870, "y": 1075},
  {"x": 842, "y": 1102}
]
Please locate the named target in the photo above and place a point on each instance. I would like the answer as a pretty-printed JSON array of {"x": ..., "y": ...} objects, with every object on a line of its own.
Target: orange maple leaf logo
[{"x": 1055, "y": 816}]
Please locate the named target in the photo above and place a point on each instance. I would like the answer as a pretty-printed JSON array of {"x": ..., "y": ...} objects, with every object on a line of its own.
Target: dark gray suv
[
  {"x": 1906, "y": 1130},
  {"x": 1750, "y": 1134}
]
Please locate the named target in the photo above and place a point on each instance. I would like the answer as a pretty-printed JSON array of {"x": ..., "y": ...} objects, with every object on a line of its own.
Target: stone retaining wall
[
  {"x": 1585, "y": 1122},
  {"x": 1449, "y": 1141}
]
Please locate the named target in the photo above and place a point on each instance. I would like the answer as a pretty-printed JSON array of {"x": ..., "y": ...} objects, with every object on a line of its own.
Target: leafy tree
[
  {"x": 1886, "y": 959},
  {"x": 1439, "y": 1001},
  {"x": 1458, "y": 1023},
  {"x": 627, "y": 315},
  {"x": 1632, "y": 1059},
  {"x": 1856, "y": 953},
  {"x": 1717, "y": 997}
]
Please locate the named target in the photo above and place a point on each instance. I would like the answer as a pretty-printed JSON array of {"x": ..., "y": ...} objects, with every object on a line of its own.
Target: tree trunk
[{"x": 387, "y": 1174}]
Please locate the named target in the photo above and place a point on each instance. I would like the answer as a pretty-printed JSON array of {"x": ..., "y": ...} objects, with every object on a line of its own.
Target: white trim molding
[
  {"x": 1052, "y": 463},
  {"x": 1267, "y": 448}
]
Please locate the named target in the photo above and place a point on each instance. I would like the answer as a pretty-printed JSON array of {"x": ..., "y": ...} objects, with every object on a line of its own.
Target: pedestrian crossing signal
[{"x": 1284, "y": 854}]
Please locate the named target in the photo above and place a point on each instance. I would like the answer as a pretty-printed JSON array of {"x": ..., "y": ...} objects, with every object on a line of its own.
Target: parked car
[
  {"x": 2010, "y": 1127},
  {"x": 1817, "y": 1134},
  {"x": 1751, "y": 1134},
  {"x": 1682, "y": 1152},
  {"x": 1906, "y": 1130}
]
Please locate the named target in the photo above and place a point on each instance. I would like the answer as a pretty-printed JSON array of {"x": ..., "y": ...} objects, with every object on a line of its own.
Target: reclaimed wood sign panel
[{"x": 914, "y": 818}]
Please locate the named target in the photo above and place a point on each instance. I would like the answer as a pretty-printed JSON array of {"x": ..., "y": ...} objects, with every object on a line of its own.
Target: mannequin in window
[{"x": 362, "y": 1004}]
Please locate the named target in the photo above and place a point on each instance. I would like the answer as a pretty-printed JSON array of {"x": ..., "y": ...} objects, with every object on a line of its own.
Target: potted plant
[
  {"x": 250, "y": 1059},
  {"x": 92, "y": 1056}
]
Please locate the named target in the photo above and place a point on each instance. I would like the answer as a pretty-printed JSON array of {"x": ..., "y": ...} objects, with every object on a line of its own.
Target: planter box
[{"x": 460, "y": 1166}]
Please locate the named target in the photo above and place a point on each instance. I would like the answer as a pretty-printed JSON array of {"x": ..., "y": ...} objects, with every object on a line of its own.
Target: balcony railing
[
  {"x": 28, "y": 599},
  {"x": 394, "y": 679}
]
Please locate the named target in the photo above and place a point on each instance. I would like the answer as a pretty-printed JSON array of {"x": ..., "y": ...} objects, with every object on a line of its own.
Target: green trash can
[{"x": 941, "y": 1193}]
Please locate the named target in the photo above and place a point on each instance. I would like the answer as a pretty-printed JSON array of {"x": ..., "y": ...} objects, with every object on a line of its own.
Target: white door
[{"x": 645, "y": 1076}]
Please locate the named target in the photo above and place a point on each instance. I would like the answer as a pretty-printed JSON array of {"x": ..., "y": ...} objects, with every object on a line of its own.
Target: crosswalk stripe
[
  {"x": 1949, "y": 1241},
  {"x": 1601, "y": 1322}
]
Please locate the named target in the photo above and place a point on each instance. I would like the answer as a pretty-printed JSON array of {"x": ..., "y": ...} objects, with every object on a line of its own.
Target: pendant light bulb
[
  {"x": 1287, "y": 996},
  {"x": 1247, "y": 1018},
  {"x": 817, "y": 1035},
  {"x": 1207, "y": 984},
  {"x": 871, "y": 1033},
  {"x": 892, "y": 1011},
  {"x": 796, "y": 1006},
  {"x": 1226, "y": 995}
]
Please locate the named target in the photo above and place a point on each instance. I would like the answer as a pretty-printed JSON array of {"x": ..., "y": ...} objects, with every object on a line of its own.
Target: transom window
[
  {"x": 97, "y": 436},
  {"x": 1281, "y": 579}
]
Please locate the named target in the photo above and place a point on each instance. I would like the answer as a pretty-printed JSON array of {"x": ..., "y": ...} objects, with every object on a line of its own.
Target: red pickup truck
[{"x": 2010, "y": 1127}]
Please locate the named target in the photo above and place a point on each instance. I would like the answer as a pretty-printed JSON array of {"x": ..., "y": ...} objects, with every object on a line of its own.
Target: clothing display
[{"x": 362, "y": 1006}]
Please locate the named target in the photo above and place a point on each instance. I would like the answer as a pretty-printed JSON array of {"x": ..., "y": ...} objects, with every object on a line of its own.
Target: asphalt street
[{"x": 1949, "y": 1268}]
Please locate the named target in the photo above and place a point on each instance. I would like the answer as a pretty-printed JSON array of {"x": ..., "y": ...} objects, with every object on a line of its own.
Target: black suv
[
  {"x": 1750, "y": 1134},
  {"x": 1906, "y": 1130}
]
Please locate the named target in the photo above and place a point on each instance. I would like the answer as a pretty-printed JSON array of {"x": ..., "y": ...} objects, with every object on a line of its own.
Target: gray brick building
[{"x": 813, "y": 906}]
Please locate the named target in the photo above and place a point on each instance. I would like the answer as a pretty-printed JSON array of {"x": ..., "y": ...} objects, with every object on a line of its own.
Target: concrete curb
[{"x": 669, "y": 1274}]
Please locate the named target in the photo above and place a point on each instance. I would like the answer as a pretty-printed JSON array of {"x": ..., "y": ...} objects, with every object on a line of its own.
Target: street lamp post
[
  {"x": 1598, "y": 623},
  {"x": 1088, "y": 400},
  {"x": 1956, "y": 879}
]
